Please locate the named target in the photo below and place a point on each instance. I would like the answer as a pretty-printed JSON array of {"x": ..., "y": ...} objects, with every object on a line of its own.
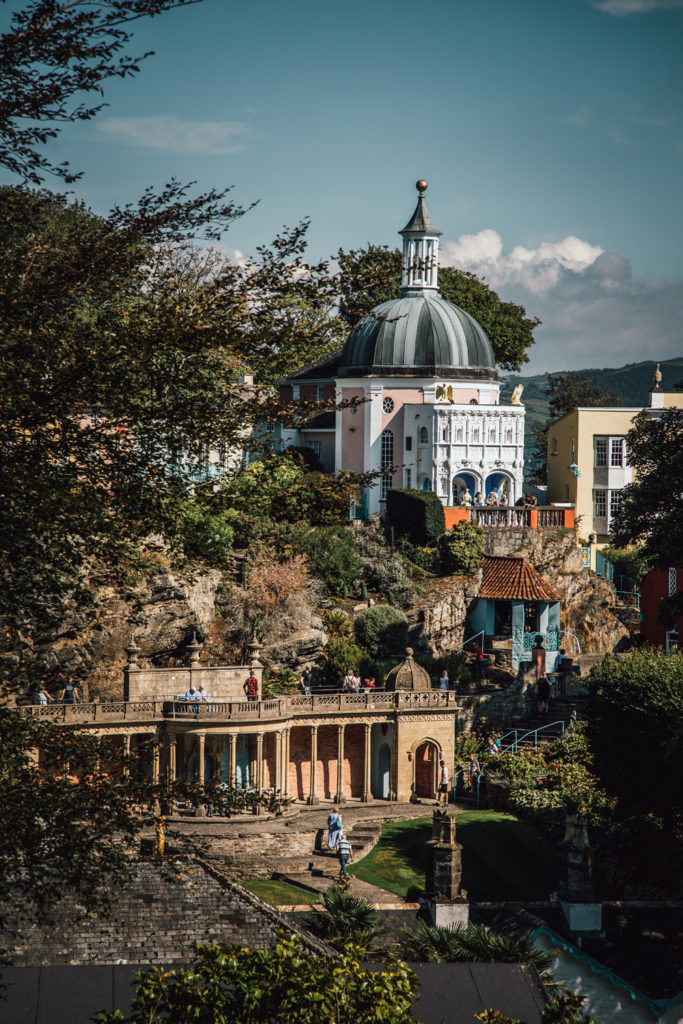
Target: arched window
[
  {"x": 387, "y": 456},
  {"x": 423, "y": 435}
]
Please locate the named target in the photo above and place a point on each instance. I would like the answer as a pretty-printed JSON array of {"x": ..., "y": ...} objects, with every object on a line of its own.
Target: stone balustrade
[
  {"x": 498, "y": 517},
  {"x": 273, "y": 710}
]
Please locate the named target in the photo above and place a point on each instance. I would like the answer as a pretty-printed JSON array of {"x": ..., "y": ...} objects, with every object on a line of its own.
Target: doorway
[{"x": 426, "y": 761}]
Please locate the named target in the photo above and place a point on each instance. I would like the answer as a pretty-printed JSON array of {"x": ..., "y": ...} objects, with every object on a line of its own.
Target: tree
[
  {"x": 381, "y": 629},
  {"x": 372, "y": 275},
  {"x": 121, "y": 346},
  {"x": 346, "y": 921},
  {"x": 52, "y": 53},
  {"x": 285, "y": 986},
  {"x": 473, "y": 944},
  {"x": 566, "y": 392},
  {"x": 460, "y": 549},
  {"x": 651, "y": 507}
]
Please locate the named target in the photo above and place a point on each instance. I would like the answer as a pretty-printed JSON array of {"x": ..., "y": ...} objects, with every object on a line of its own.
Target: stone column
[
  {"x": 312, "y": 798},
  {"x": 200, "y": 758},
  {"x": 366, "y": 764},
  {"x": 155, "y": 762},
  {"x": 277, "y": 761},
  {"x": 172, "y": 745},
  {"x": 340, "y": 798},
  {"x": 259, "y": 768},
  {"x": 285, "y": 762},
  {"x": 232, "y": 769},
  {"x": 126, "y": 754}
]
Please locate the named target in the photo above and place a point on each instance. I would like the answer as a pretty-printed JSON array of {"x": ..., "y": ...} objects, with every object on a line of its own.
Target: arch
[
  {"x": 423, "y": 436},
  {"x": 426, "y": 484},
  {"x": 426, "y": 757},
  {"x": 383, "y": 787},
  {"x": 501, "y": 484},
  {"x": 462, "y": 481}
]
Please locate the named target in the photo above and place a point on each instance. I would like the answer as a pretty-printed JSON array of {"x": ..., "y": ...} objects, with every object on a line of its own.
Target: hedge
[{"x": 417, "y": 515}]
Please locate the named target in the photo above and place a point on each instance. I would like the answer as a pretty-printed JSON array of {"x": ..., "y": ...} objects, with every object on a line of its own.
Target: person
[
  {"x": 478, "y": 499},
  {"x": 443, "y": 785},
  {"x": 193, "y": 695},
  {"x": 251, "y": 686},
  {"x": 475, "y": 771},
  {"x": 334, "y": 828},
  {"x": 479, "y": 664},
  {"x": 543, "y": 691},
  {"x": 203, "y": 695},
  {"x": 560, "y": 673},
  {"x": 349, "y": 682},
  {"x": 42, "y": 696},
  {"x": 443, "y": 680},
  {"x": 356, "y": 682},
  {"x": 492, "y": 500},
  {"x": 301, "y": 685},
  {"x": 69, "y": 694},
  {"x": 492, "y": 747},
  {"x": 538, "y": 656},
  {"x": 370, "y": 683},
  {"x": 345, "y": 854}
]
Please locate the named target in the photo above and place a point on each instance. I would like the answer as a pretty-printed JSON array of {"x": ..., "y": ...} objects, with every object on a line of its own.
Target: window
[
  {"x": 387, "y": 455},
  {"x": 388, "y": 405},
  {"x": 407, "y": 478},
  {"x": 409, "y": 444},
  {"x": 508, "y": 435},
  {"x": 444, "y": 432},
  {"x": 459, "y": 435},
  {"x": 270, "y": 428},
  {"x": 320, "y": 392},
  {"x": 600, "y": 451},
  {"x": 316, "y": 447},
  {"x": 599, "y": 504},
  {"x": 672, "y": 581},
  {"x": 492, "y": 435},
  {"x": 553, "y": 446},
  {"x": 614, "y": 502},
  {"x": 617, "y": 452},
  {"x": 475, "y": 433},
  {"x": 222, "y": 455},
  {"x": 424, "y": 436}
]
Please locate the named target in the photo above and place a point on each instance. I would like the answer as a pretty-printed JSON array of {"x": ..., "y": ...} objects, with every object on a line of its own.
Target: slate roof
[
  {"x": 420, "y": 223},
  {"x": 322, "y": 368},
  {"x": 506, "y": 578}
]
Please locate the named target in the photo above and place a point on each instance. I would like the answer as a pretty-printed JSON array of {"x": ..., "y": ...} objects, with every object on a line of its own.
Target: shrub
[
  {"x": 381, "y": 629},
  {"x": 426, "y": 558},
  {"x": 630, "y": 561},
  {"x": 383, "y": 570},
  {"x": 204, "y": 534},
  {"x": 460, "y": 549},
  {"x": 337, "y": 623},
  {"x": 332, "y": 557},
  {"x": 340, "y": 655},
  {"x": 417, "y": 515},
  {"x": 377, "y": 668}
]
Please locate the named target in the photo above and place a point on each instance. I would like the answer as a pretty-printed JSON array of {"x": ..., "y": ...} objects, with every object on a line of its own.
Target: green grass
[
  {"x": 279, "y": 893},
  {"x": 502, "y": 857}
]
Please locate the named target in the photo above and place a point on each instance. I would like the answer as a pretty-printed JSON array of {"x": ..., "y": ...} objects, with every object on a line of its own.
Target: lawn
[
  {"x": 279, "y": 893},
  {"x": 503, "y": 858}
]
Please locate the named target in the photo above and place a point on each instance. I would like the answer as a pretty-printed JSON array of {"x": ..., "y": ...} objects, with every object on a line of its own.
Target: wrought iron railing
[{"x": 603, "y": 567}]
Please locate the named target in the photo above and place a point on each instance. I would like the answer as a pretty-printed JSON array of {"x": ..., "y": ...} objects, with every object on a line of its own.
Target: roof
[
  {"x": 419, "y": 334},
  {"x": 506, "y": 578},
  {"x": 408, "y": 675},
  {"x": 322, "y": 368},
  {"x": 420, "y": 223}
]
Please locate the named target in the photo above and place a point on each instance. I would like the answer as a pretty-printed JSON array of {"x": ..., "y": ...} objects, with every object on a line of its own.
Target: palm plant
[
  {"x": 345, "y": 920},
  {"x": 474, "y": 944}
]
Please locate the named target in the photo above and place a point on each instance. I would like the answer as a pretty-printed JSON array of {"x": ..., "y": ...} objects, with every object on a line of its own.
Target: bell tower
[{"x": 420, "y": 249}]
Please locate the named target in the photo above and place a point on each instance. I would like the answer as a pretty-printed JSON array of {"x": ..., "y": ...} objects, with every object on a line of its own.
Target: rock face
[
  {"x": 163, "y": 610},
  {"x": 437, "y": 624}
]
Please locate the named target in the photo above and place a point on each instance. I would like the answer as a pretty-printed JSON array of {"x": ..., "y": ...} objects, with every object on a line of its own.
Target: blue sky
[{"x": 550, "y": 133}]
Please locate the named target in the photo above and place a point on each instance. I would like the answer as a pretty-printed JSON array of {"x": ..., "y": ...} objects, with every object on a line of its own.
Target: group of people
[
  {"x": 69, "y": 694},
  {"x": 353, "y": 684},
  {"x": 465, "y": 499},
  {"x": 338, "y": 842}
]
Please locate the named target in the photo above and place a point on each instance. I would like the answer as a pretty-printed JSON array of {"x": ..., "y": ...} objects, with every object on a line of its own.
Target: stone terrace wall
[{"x": 156, "y": 918}]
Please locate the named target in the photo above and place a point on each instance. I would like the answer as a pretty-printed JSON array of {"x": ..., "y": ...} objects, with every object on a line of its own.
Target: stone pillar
[
  {"x": 172, "y": 745},
  {"x": 447, "y": 902},
  {"x": 259, "y": 761},
  {"x": 366, "y": 764},
  {"x": 200, "y": 758},
  {"x": 340, "y": 798},
  {"x": 285, "y": 762},
  {"x": 277, "y": 761},
  {"x": 155, "y": 762},
  {"x": 126, "y": 754},
  {"x": 232, "y": 770},
  {"x": 312, "y": 798}
]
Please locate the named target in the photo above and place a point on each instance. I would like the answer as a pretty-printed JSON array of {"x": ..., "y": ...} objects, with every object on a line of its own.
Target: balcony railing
[{"x": 500, "y": 517}]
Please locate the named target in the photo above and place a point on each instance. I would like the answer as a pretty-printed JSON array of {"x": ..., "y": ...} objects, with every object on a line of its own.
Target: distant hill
[{"x": 631, "y": 382}]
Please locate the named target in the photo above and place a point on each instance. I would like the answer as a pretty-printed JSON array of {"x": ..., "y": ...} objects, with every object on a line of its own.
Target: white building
[{"x": 424, "y": 372}]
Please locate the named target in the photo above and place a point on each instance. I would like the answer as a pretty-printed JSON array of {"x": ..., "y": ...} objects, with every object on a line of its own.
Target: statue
[
  {"x": 657, "y": 378},
  {"x": 159, "y": 837},
  {"x": 517, "y": 395}
]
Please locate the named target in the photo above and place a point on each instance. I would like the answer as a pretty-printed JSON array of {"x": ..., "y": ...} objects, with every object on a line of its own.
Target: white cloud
[
  {"x": 594, "y": 312},
  {"x": 622, "y": 8},
  {"x": 164, "y": 131}
]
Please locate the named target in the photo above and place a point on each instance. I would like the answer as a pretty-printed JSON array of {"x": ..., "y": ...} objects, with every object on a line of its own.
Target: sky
[{"x": 550, "y": 132}]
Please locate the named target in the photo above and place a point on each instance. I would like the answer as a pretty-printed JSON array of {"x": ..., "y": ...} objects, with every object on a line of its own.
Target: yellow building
[{"x": 588, "y": 460}]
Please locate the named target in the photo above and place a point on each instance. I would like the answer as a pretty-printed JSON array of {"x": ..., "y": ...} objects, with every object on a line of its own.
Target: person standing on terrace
[{"x": 251, "y": 686}]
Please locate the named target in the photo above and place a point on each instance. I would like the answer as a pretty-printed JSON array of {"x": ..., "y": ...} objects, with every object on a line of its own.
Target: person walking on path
[
  {"x": 334, "y": 828},
  {"x": 251, "y": 686},
  {"x": 479, "y": 664},
  {"x": 345, "y": 855},
  {"x": 475, "y": 771},
  {"x": 443, "y": 785},
  {"x": 492, "y": 747},
  {"x": 69, "y": 694},
  {"x": 543, "y": 691}
]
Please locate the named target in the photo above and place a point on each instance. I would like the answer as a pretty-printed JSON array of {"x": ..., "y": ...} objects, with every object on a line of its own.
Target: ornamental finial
[{"x": 421, "y": 186}]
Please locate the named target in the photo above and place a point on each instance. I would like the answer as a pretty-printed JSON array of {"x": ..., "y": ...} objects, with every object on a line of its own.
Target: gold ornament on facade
[{"x": 421, "y": 185}]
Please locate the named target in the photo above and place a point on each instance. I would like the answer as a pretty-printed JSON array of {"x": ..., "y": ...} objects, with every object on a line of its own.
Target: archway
[
  {"x": 500, "y": 485},
  {"x": 426, "y": 764},
  {"x": 463, "y": 482},
  {"x": 426, "y": 484}
]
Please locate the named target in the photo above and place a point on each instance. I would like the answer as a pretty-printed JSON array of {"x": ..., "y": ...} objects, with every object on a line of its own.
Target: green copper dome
[{"x": 421, "y": 335}]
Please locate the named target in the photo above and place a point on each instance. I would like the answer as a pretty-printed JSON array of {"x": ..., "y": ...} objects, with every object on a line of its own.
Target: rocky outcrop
[
  {"x": 297, "y": 651},
  {"x": 436, "y": 625}
]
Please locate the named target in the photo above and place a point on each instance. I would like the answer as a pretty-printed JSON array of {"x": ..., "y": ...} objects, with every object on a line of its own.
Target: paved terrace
[{"x": 278, "y": 709}]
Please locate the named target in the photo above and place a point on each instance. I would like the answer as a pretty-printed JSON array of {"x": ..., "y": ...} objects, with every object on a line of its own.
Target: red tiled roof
[{"x": 513, "y": 579}]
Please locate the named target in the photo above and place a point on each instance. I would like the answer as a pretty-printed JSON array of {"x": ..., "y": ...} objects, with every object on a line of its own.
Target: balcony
[{"x": 501, "y": 517}]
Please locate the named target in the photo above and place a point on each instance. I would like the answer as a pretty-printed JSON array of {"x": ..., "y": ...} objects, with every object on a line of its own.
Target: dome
[
  {"x": 419, "y": 335},
  {"x": 408, "y": 675}
]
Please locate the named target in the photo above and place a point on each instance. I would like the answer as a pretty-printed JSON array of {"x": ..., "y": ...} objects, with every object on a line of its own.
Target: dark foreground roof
[{"x": 448, "y": 992}]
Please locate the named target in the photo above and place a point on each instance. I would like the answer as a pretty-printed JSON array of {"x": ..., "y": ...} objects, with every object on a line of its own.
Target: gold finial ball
[{"x": 421, "y": 185}]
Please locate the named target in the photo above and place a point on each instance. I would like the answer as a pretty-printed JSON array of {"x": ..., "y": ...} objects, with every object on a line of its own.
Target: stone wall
[
  {"x": 326, "y": 771},
  {"x": 436, "y": 625},
  {"x": 225, "y": 683},
  {"x": 155, "y": 918}
]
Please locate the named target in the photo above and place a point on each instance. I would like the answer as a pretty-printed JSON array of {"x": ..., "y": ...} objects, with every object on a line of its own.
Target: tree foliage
[
  {"x": 381, "y": 629},
  {"x": 52, "y": 53},
  {"x": 474, "y": 943},
  {"x": 460, "y": 549},
  {"x": 289, "y": 985},
  {"x": 372, "y": 275},
  {"x": 417, "y": 515},
  {"x": 346, "y": 920}
]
